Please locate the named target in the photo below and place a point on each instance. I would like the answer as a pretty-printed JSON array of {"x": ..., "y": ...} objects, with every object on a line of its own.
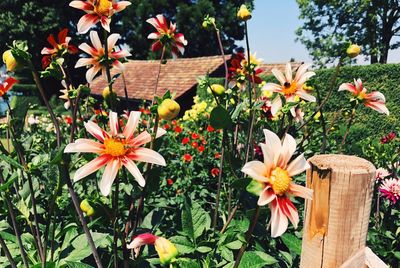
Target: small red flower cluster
[
  {"x": 388, "y": 138},
  {"x": 214, "y": 172}
]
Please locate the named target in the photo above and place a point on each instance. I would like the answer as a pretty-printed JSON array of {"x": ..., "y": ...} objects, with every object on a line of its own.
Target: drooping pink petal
[
  {"x": 289, "y": 210},
  {"x": 84, "y": 146},
  {"x": 105, "y": 23},
  {"x": 91, "y": 167},
  {"x": 131, "y": 124},
  {"x": 306, "y": 96},
  {"x": 268, "y": 158},
  {"x": 120, "y": 54},
  {"x": 118, "y": 66},
  {"x": 377, "y": 106},
  {"x": 84, "y": 62},
  {"x": 302, "y": 69},
  {"x": 154, "y": 35},
  {"x": 95, "y": 131},
  {"x": 111, "y": 41},
  {"x": 134, "y": 170},
  {"x": 179, "y": 37},
  {"x": 256, "y": 170},
  {"x": 276, "y": 105},
  {"x": 86, "y": 22},
  {"x": 300, "y": 191},
  {"x": 113, "y": 121},
  {"x": 297, "y": 166},
  {"x": 279, "y": 221},
  {"x": 109, "y": 175},
  {"x": 47, "y": 51},
  {"x": 141, "y": 240},
  {"x": 304, "y": 78},
  {"x": 146, "y": 155},
  {"x": 92, "y": 72},
  {"x": 266, "y": 196},
  {"x": 88, "y": 49},
  {"x": 376, "y": 96},
  {"x": 272, "y": 87},
  {"x": 156, "y": 46}
]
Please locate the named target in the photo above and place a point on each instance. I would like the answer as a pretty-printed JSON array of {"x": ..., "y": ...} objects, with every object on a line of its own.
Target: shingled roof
[{"x": 178, "y": 76}]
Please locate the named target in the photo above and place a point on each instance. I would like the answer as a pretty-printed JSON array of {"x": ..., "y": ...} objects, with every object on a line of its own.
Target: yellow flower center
[
  {"x": 362, "y": 95},
  {"x": 115, "y": 147},
  {"x": 289, "y": 88},
  {"x": 102, "y": 7},
  {"x": 280, "y": 181}
]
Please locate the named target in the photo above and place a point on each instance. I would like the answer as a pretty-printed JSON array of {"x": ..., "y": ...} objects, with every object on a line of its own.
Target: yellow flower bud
[
  {"x": 10, "y": 61},
  {"x": 86, "y": 207},
  {"x": 168, "y": 109},
  {"x": 267, "y": 93},
  {"x": 167, "y": 251},
  {"x": 353, "y": 51},
  {"x": 218, "y": 89},
  {"x": 317, "y": 116},
  {"x": 106, "y": 92},
  {"x": 243, "y": 13}
]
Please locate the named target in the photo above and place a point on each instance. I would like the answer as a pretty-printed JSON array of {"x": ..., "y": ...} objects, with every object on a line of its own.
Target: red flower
[
  {"x": 187, "y": 157},
  {"x": 7, "y": 85},
  {"x": 170, "y": 181},
  {"x": 68, "y": 120},
  {"x": 58, "y": 49},
  {"x": 210, "y": 129},
  {"x": 167, "y": 126},
  {"x": 174, "y": 122},
  {"x": 166, "y": 35},
  {"x": 185, "y": 140},
  {"x": 195, "y": 136},
  {"x": 201, "y": 148},
  {"x": 217, "y": 155},
  {"x": 388, "y": 138},
  {"x": 195, "y": 144},
  {"x": 178, "y": 129},
  {"x": 214, "y": 172}
]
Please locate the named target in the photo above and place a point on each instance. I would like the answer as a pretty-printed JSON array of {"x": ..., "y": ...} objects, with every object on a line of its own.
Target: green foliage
[
  {"x": 328, "y": 26},
  {"x": 368, "y": 123}
]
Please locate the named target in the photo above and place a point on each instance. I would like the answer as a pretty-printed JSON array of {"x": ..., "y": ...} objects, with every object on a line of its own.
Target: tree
[{"x": 328, "y": 25}]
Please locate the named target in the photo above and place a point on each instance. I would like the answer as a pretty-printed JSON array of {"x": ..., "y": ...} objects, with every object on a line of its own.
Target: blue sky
[{"x": 272, "y": 33}]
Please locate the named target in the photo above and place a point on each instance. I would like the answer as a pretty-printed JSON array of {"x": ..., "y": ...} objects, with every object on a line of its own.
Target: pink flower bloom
[
  {"x": 381, "y": 173},
  {"x": 299, "y": 115},
  {"x": 97, "y": 10},
  {"x": 276, "y": 173},
  {"x": 289, "y": 87},
  {"x": 97, "y": 53},
  {"x": 115, "y": 149},
  {"x": 166, "y": 35},
  {"x": 374, "y": 100},
  {"x": 390, "y": 189},
  {"x": 59, "y": 48},
  {"x": 65, "y": 95},
  {"x": 167, "y": 251}
]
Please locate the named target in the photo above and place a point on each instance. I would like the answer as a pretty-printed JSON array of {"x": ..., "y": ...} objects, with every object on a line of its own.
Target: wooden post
[{"x": 336, "y": 220}]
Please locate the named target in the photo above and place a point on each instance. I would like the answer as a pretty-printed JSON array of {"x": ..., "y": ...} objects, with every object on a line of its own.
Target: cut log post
[{"x": 336, "y": 220}]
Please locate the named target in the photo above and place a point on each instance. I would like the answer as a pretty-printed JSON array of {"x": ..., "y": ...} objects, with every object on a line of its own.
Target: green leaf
[
  {"x": 23, "y": 208},
  {"x": 238, "y": 109},
  {"x": 11, "y": 161},
  {"x": 201, "y": 220},
  {"x": 187, "y": 263},
  {"x": 48, "y": 265},
  {"x": 203, "y": 249},
  {"x": 220, "y": 118},
  {"x": 256, "y": 259},
  {"x": 234, "y": 245},
  {"x": 183, "y": 244},
  {"x": 187, "y": 220},
  {"x": 71, "y": 264},
  {"x": 255, "y": 187},
  {"x": 287, "y": 257},
  {"x": 10, "y": 181},
  {"x": 241, "y": 184},
  {"x": 292, "y": 242}
]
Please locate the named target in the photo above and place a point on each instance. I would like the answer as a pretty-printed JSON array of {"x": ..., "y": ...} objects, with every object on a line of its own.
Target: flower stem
[
  {"x": 221, "y": 164},
  {"x": 158, "y": 75},
  {"x": 15, "y": 227},
  {"x": 221, "y": 48},
  {"x": 7, "y": 253},
  {"x": 108, "y": 72},
  {"x": 330, "y": 91},
  {"x": 350, "y": 122},
  {"x": 248, "y": 237},
  {"x": 115, "y": 222}
]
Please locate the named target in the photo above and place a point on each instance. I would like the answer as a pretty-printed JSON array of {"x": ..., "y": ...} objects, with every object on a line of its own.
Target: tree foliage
[{"x": 328, "y": 25}]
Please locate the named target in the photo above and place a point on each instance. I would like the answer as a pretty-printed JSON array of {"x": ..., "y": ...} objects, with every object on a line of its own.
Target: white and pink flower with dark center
[
  {"x": 115, "y": 149},
  {"x": 166, "y": 35},
  {"x": 275, "y": 173},
  {"x": 97, "y": 10},
  {"x": 97, "y": 62},
  {"x": 374, "y": 100},
  {"x": 289, "y": 87}
]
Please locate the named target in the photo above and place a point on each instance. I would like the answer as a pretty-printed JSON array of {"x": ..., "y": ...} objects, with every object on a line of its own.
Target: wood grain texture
[{"x": 336, "y": 220}]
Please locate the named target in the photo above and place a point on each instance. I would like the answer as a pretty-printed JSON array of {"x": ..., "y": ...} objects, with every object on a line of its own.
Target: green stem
[
  {"x": 115, "y": 222},
  {"x": 7, "y": 253},
  {"x": 108, "y": 72},
  {"x": 158, "y": 75},
  {"x": 221, "y": 164},
  {"x": 248, "y": 237},
  {"x": 350, "y": 122}
]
